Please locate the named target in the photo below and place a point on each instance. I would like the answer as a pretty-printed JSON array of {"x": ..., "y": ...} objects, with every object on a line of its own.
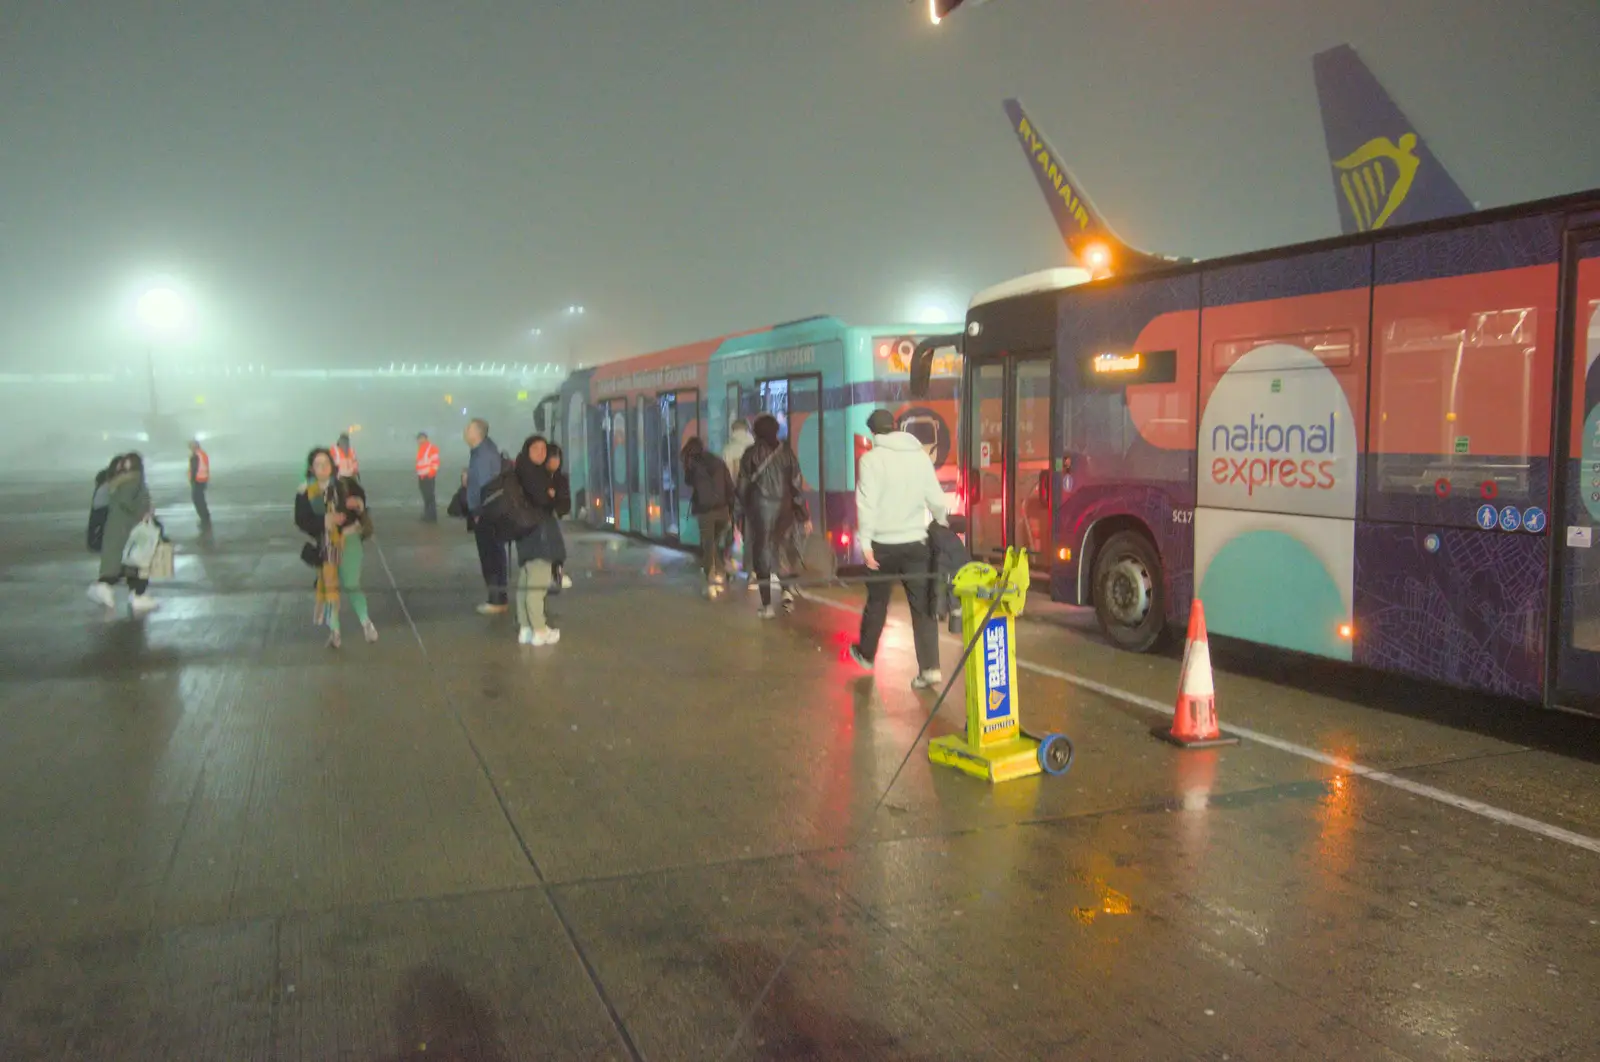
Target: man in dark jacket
[
  {"x": 483, "y": 466},
  {"x": 711, "y": 500}
]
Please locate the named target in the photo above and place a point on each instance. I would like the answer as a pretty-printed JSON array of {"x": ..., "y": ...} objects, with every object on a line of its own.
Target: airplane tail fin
[
  {"x": 1383, "y": 172},
  {"x": 1090, "y": 239}
]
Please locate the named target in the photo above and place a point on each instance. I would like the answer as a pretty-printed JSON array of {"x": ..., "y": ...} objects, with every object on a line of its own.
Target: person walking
[
  {"x": 332, "y": 511},
  {"x": 536, "y": 548},
  {"x": 771, "y": 498},
  {"x": 427, "y": 475},
  {"x": 483, "y": 465},
  {"x": 897, "y": 496},
  {"x": 199, "y": 479},
  {"x": 739, "y": 440},
  {"x": 711, "y": 501},
  {"x": 344, "y": 458},
  {"x": 128, "y": 505}
]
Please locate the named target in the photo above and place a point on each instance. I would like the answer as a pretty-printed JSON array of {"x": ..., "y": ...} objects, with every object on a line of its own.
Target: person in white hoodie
[
  {"x": 739, "y": 440},
  {"x": 897, "y": 496}
]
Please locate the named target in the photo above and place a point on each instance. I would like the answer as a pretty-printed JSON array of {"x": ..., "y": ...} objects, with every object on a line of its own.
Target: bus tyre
[{"x": 1128, "y": 598}]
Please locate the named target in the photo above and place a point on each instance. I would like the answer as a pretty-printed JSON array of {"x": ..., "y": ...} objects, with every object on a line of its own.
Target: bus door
[
  {"x": 797, "y": 403},
  {"x": 617, "y": 464},
  {"x": 677, "y": 420},
  {"x": 1575, "y": 676},
  {"x": 1007, "y": 457},
  {"x": 656, "y": 433}
]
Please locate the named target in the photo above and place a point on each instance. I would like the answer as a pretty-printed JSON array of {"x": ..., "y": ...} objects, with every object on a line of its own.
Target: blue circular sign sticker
[
  {"x": 1533, "y": 519},
  {"x": 1488, "y": 516},
  {"x": 1510, "y": 519}
]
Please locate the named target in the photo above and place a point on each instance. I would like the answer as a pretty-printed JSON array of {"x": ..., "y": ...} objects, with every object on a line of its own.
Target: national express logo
[
  {"x": 1264, "y": 453},
  {"x": 1277, "y": 436},
  {"x": 1376, "y": 178}
]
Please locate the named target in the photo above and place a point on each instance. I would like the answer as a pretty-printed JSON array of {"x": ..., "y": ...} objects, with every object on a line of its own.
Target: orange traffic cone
[{"x": 1194, "y": 724}]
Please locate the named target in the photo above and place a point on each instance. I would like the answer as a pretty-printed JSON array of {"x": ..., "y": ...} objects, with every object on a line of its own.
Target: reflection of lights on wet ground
[{"x": 1110, "y": 902}]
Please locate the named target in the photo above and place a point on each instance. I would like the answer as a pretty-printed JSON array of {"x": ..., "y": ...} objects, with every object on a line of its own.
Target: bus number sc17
[{"x": 1183, "y": 516}]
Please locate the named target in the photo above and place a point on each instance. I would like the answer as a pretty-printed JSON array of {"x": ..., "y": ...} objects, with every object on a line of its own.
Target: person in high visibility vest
[
  {"x": 199, "y": 478},
  {"x": 344, "y": 458},
  {"x": 427, "y": 472}
]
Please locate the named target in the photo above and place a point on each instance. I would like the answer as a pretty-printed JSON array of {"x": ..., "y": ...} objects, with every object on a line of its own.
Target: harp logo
[{"x": 1376, "y": 178}]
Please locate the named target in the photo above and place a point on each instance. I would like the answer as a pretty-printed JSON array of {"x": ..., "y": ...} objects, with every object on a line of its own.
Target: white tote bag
[{"x": 142, "y": 543}]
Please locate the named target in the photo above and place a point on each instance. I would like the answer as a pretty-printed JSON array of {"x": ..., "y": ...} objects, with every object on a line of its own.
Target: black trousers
[
  {"x": 713, "y": 554},
  {"x": 430, "y": 504},
  {"x": 911, "y": 561},
  {"x": 494, "y": 560},
  {"x": 197, "y": 493}
]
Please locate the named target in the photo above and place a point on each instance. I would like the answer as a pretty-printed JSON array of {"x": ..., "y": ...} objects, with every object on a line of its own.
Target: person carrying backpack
[{"x": 711, "y": 501}]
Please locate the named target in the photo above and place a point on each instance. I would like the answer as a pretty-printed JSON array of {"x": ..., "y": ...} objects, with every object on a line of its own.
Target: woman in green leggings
[{"x": 333, "y": 512}]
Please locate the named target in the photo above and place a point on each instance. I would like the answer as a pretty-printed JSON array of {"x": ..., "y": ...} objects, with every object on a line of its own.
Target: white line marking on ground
[{"x": 1442, "y": 796}]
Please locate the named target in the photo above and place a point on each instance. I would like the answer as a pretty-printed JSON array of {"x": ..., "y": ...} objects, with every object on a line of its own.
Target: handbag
[
  {"x": 311, "y": 555},
  {"x": 141, "y": 546},
  {"x": 163, "y": 561}
]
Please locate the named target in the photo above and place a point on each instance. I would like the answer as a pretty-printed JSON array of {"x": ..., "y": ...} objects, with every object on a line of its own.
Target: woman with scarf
[
  {"x": 537, "y": 549},
  {"x": 333, "y": 512},
  {"x": 771, "y": 497},
  {"x": 127, "y": 506}
]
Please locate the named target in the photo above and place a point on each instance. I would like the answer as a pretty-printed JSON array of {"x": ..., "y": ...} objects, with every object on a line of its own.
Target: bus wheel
[{"x": 1127, "y": 592}]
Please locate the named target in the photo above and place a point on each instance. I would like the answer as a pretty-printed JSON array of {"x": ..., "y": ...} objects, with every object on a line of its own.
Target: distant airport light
[{"x": 163, "y": 311}]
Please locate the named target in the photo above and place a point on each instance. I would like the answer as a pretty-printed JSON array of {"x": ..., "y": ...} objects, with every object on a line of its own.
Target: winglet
[{"x": 1087, "y": 235}]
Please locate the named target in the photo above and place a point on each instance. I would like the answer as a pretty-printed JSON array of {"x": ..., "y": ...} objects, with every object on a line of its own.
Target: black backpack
[{"x": 506, "y": 511}]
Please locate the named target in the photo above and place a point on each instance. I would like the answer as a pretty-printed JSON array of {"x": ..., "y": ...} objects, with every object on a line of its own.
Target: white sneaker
[
  {"x": 487, "y": 609},
  {"x": 928, "y": 679},
  {"x": 142, "y": 603},
  {"x": 525, "y": 636},
  {"x": 333, "y": 640},
  {"x": 566, "y": 581},
  {"x": 101, "y": 594},
  {"x": 548, "y": 636},
  {"x": 767, "y": 612},
  {"x": 369, "y": 631}
]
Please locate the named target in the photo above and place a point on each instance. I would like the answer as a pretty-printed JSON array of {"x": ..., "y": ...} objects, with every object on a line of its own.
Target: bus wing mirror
[{"x": 921, "y": 369}]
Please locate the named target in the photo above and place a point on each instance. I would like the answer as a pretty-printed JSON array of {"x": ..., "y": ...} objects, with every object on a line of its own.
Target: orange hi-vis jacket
[
  {"x": 345, "y": 461},
  {"x": 200, "y": 470},
  {"x": 427, "y": 460}
]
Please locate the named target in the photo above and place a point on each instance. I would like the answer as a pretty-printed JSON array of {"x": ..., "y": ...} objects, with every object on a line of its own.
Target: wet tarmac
[{"x": 685, "y": 833}]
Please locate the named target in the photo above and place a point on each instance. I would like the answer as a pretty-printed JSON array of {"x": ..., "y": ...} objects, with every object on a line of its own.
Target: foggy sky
[{"x": 357, "y": 183}]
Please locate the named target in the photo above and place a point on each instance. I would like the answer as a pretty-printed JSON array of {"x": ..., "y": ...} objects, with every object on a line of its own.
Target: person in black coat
[
  {"x": 536, "y": 549},
  {"x": 771, "y": 498},
  {"x": 711, "y": 501},
  {"x": 563, "y": 508}
]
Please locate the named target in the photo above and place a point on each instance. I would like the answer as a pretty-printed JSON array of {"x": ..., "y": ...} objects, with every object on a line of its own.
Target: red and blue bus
[{"x": 1381, "y": 449}]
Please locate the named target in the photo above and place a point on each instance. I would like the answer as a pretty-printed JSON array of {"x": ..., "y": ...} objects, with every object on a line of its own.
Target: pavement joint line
[
  {"x": 483, "y": 765},
  {"x": 1388, "y": 778}
]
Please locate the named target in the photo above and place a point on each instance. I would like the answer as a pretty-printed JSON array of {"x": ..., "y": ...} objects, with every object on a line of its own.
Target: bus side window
[{"x": 1462, "y": 376}]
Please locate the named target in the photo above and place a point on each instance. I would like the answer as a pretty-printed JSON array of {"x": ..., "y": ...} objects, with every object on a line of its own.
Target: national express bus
[
  {"x": 624, "y": 423},
  {"x": 1382, "y": 449}
]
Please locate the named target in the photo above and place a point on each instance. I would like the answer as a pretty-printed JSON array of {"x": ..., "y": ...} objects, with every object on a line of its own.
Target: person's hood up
[{"x": 900, "y": 441}]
